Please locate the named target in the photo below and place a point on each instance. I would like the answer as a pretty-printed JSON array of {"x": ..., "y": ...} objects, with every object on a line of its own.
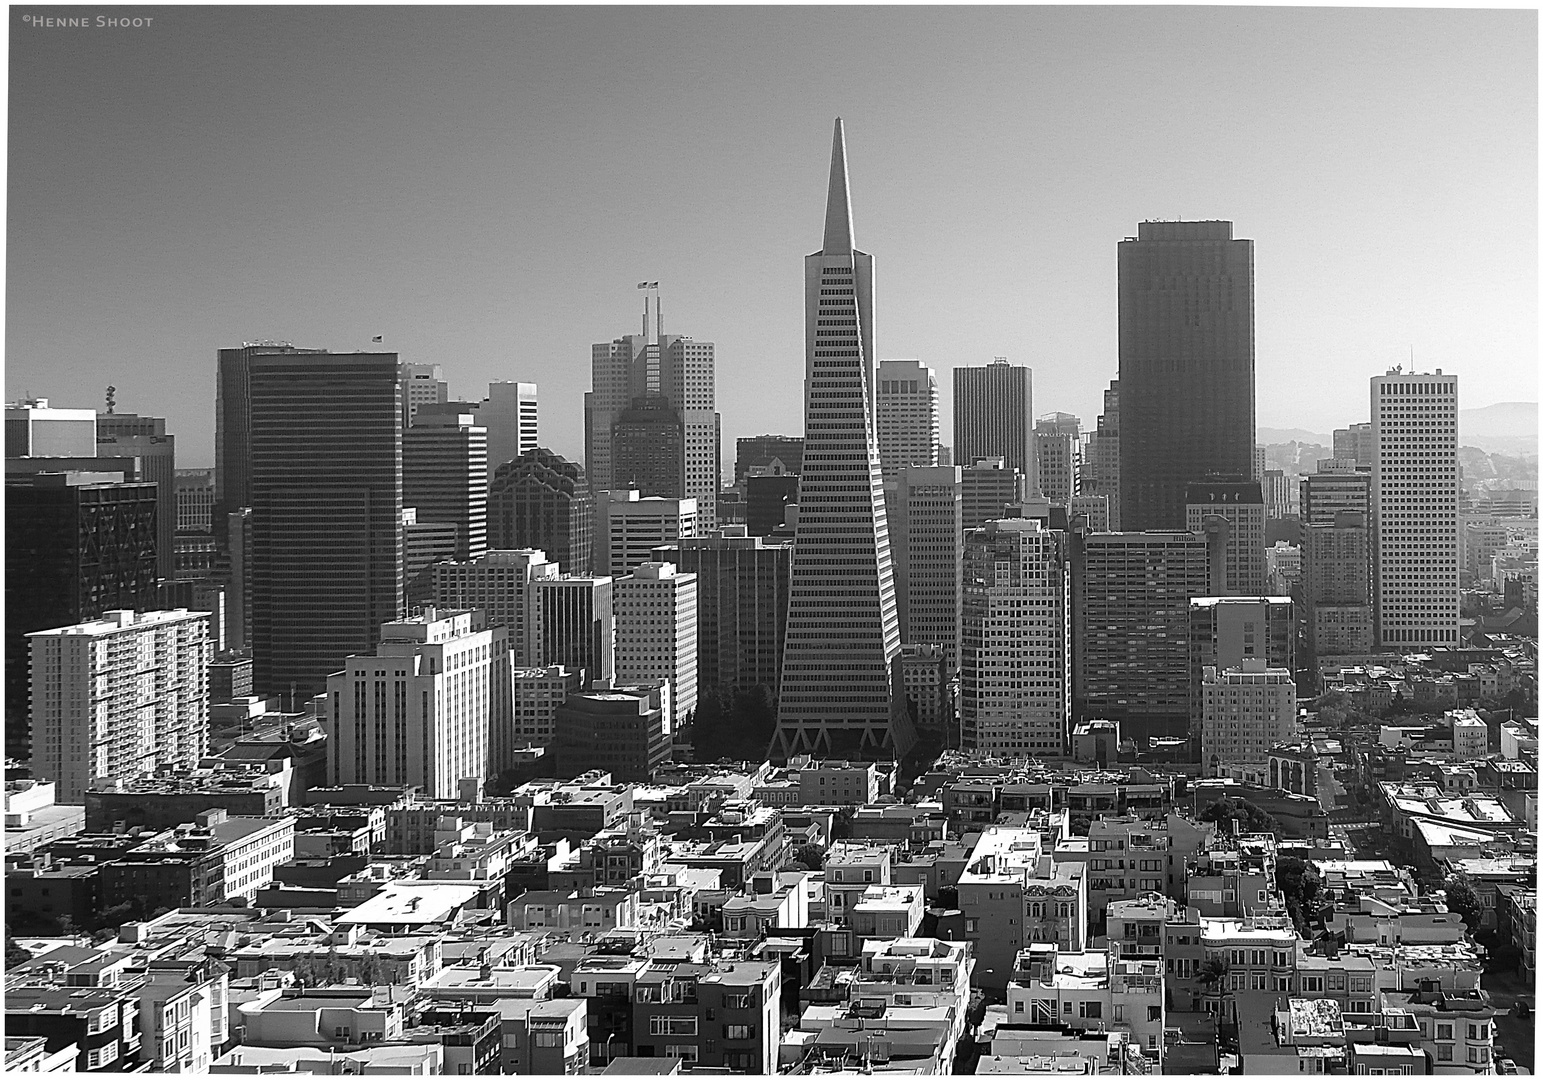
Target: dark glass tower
[
  {"x": 539, "y": 500},
  {"x": 326, "y": 490},
  {"x": 1186, "y": 365}
]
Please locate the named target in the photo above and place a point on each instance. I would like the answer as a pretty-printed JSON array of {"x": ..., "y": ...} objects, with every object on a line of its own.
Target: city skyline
[{"x": 455, "y": 205}]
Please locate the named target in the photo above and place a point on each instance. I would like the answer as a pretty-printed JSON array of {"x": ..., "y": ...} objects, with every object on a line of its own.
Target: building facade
[
  {"x": 656, "y": 632},
  {"x": 445, "y": 476},
  {"x": 498, "y": 584},
  {"x": 1057, "y": 439},
  {"x": 541, "y": 500},
  {"x": 631, "y": 525},
  {"x": 1239, "y": 506},
  {"x": 909, "y": 427},
  {"x": 838, "y": 694},
  {"x": 994, "y": 415},
  {"x": 1246, "y": 710},
  {"x": 1186, "y": 303},
  {"x": 928, "y": 531}
]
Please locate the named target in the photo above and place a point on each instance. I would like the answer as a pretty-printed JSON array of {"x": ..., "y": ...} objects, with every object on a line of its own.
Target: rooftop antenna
[{"x": 111, "y": 400}]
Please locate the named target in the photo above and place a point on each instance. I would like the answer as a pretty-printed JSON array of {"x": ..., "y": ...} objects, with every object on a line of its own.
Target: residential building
[
  {"x": 656, "y": 632},
  {"x": 993, "y": 416},
  {"x": 1015, "y": 645},
  {"x": 541, "y": 500},
  {"x": 325, "y": 443},
  {"x": 928, "y": 522},
  {"x": 421, "y": 710},
  {"x": 838, "y": 693},
  {"x": 630, "y": 526},
  {"x": 742, "y": 605},
  {"x": 1130, "y": 627},
  {"x": 1414, "y": 508},
  {"x": 1186, "y": 304},
  {"x": 1011, "y": 893},
  {"x": 906, "y": 416},
  {"x": 1237, "y": 509},
  {"x": 1246, "y": 710},
  {"x": 1224, "y": 631},
  {"x": 120, "y": 696}
]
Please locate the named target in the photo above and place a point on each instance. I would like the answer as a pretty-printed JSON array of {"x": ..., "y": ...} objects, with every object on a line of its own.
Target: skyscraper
[
  {"x": 907, "y": 419},
  {"x": 1240, "y": 506},
  {"x": 422, "y": 384},
  {"x": 540, "y": 500},
  {"x": 1186, "y": 300},
  {"x": 445, "y": 476},
  {"x": 1414, "y": 507},
  {"x": 1355, "y": 443},
  {"x": 120, "y": 696},
  {"x": 1015, "y": 641},
  {"x": 928, "y": 530},
  {"x": 120, "y": 435},
  {"x": 840, "y": 693},
  {"x": 649, "y": 421},
  {"x": 1101, "y": 463},
  {"x": 994, "y": 416},
  {"x": 326, "y": 497},
  {"x": 656, "y": 632},
  {"x": 629, "y": 527},
  {"x": 1056, "y": 439}
]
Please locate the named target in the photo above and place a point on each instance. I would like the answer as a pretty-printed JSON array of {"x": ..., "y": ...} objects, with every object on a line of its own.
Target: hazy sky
[{"x": 485, "y": 187}]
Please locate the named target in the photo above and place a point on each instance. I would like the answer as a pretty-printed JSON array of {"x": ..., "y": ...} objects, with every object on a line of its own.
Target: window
[
  {"x": 672, "y": 1025},
  {"x": 1478, "y": 1032},
  {"x": 1443, "y": 1053},
  {"x": 1092, "y": 1010},
  {"x": 547, "y": 1039},
  {"x": 1443, "y": 1031},
  {"x": 686, "y": 1052},
  {"x": 1018, "y": 1008},
  {"x": 738, "y": 1031}
]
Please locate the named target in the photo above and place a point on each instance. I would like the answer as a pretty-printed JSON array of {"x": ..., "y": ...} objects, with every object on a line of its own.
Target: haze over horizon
[{"x": 484, "y": 187}]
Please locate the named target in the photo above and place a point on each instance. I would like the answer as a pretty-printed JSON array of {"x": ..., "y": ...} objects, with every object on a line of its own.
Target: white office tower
[
  {"x": 509, "y": 413},
  {"x": 422, "y": 384},
  {"x": 928, "y": 520},
  {"x": 656, "y": 632},
  {"x": 1414, "y": 508},
  {"x": 840, "y": 693},
  {"x": 909, "y": 427},
  {"x": 629, "y": 526},
  {"x": 34, "y": 429},
  {"x": 1015, "y": 657},
  {"x": 421, "y": 711},
  {"x": 649, "y": 419},
  {"x": 1247, "y": 710},
  {"x": 500, "y": 585},
  {"x": 1057, "y": 438},
  {"x": 119, "y": 697}
]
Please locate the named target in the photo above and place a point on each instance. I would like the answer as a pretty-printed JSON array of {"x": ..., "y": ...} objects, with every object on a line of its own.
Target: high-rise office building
[
  {"x": 988, "y": 487},
  {"x": 1355, "y": 444},
  {"x": 1225, "y": 631},
  {"x": 195, "y": 503},
  {"x": 742, "y": 606},
  {"x": 126, "y": 435},
  {"x": 1278, "y": 504},
  {"x": 767, "y": 498},
  {"x": 840, "y": 693},
  {"x": 1239, "y": 505},
  {"x": 540, "y": 500},
  {"x": 538, "y": 692},
  {"x": 118, "y": 697},
  {"x": 1130, "y": 627},
  {"x": 1245, "y": 710},
  {"x": 762, "y": 451},
  {"x": 928, "y": 530},
  {"x": 910, "y": 430},
  {"x": 421, "y": 710},
  {"x": 1339, "y": 484},
  {"x": 630, "y": 526},
  {"x": 1259, "y": 464},
  {"x": 572, "y": 622},
  {"x": 649, "y": 421},
  {"x": 1057, "y": 439},
  {"x": 33, "y": 428},
  {"x": 510, "y": 413},
  {"x": 1186, "y": 301},
  {"x": 1414, "y": 508},
  {"x": 620, "y": 729},
  {"x": 994, "y": 416},
  {"x": 1015, "y": 641},
  {"x": 422, "y": 384},
  {"x": 233, "y": 426},
  {"x": 499, "y": 583},
  {"x": 1337, "y": 585},
  {"x": 445, "y": 476},
  {"x": 77, "y": 545},
  {"x": 424, "y": 545},
  {"x": 326, "y": 497},
  {"x": 1100, "y": 473},
  {"x": 655, "y": 608}
]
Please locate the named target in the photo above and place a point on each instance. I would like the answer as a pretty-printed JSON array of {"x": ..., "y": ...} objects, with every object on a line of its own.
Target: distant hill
[
  {"x": 1507, "y": 420},
  {"x": 1267, "y": 436}
]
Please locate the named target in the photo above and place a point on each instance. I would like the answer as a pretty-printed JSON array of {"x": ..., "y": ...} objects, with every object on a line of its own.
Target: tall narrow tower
[{"x": 838, "y": 694}]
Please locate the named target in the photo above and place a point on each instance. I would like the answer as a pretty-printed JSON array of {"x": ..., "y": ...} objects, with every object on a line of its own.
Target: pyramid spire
[{"x": 838, "y": 203}]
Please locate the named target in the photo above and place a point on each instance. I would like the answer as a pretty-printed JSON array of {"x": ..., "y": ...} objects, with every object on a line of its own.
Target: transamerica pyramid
[{"x": 840, "y": 691}]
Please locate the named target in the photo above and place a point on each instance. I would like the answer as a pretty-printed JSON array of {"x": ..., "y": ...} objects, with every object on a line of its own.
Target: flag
[
  {"x": 653, "y": 284},
  {"x": 642, "y": 284},
  {"x": 377, "y": 337}
]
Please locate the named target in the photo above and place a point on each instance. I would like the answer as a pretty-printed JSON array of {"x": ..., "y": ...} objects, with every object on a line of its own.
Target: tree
[
  {"x": 14, "y": 953},
  {"x": 1213, "y": 976},
  {"x": 811, "y": 855},
  {"x": 1464, "y": 901},
  {"x": 1243, "y": 816},
  {"x": 1302, "y": 889}
]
